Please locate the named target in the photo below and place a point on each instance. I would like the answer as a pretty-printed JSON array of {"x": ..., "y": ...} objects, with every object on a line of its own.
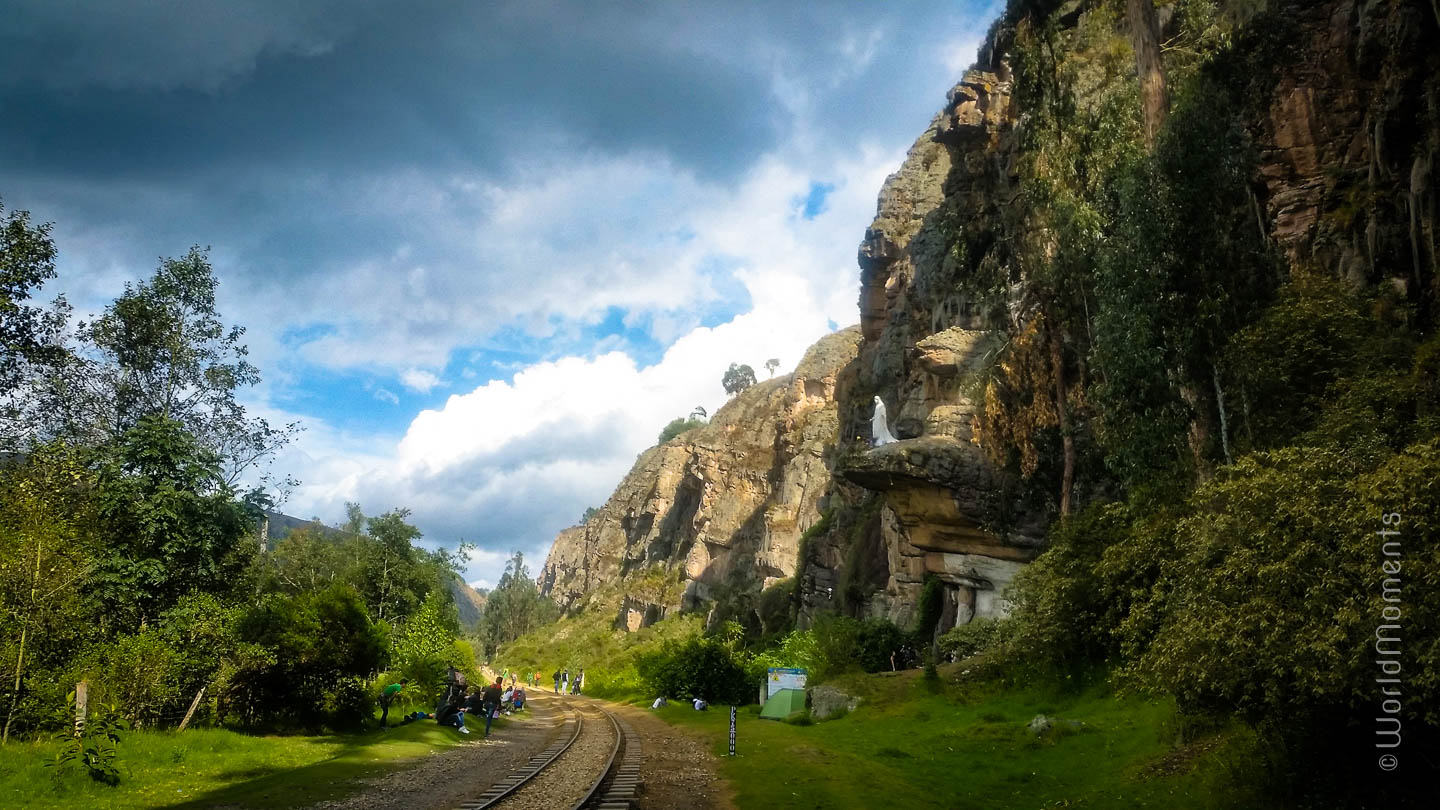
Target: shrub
[
  {"x": 1272, "y": 604},
  {"x": 311, "y": 644},
  {"x": 701, "y": 667},
  {"x": 678, "y": 426},
  {"x": 1317, "y": 332},
  {"x": 348, "y": 705},
  {"x": 137, "y": 672},
  {"x": 797, "y": 649},
  {"x": 96, "y": 750},
  {"x": 876, "y": 641},
  {"x": 834, "y": 644},
  {"x": 1066, "y": 611},
  {"x": 842, "y": 643},
  {"x": 980, "y": 635}
]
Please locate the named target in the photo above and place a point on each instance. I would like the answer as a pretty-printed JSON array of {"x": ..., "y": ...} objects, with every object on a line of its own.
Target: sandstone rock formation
[
  {"x": 1347, "y": 112},
  {"x": 1342, "y": 120},
  {"x": 940, "y": 512},
  {"x": 718, "y": 509}
]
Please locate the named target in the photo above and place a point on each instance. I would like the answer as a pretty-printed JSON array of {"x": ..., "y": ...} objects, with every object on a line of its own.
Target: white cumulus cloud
[
  {"x": 509, "y": 463},
  {"x": 419, "y": 380}
]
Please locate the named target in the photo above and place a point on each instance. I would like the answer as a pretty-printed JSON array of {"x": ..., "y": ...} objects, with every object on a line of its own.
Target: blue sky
[{"x": 483, "y": 251}]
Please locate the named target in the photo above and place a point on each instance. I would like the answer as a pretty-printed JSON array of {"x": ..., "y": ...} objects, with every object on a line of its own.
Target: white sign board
[{"x": 786, "y": 678}]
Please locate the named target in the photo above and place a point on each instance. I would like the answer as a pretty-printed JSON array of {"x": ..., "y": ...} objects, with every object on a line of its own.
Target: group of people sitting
[
  {"x": 459, "y": 700},
  {"x": 699, "y": 703},
  {"x": 488, "y": 702}
]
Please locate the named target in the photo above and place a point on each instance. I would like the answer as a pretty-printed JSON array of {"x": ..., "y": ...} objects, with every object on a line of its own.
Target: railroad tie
[{"x": 620, "y": 794}]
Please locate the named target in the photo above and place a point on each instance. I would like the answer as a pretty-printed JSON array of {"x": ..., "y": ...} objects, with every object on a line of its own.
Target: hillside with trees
[{"x": 133, "y": 559}]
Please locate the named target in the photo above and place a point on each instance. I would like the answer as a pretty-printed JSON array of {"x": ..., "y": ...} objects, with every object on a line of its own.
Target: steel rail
[
  {"x": 619, "y": 784},
  {"x": 538, "y": 763},
  {"x": 609, "y": 763}
]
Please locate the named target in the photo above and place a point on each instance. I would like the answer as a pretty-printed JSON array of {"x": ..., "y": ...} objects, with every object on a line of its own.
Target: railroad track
[
  {"x": 610, "y": 755},
  {"x": 617, "y": 784}
]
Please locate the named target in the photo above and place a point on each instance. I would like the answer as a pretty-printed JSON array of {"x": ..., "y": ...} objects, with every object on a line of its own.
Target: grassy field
[
  {"x": 208, "y": 767},
  {"x": 967, "y": 747}
]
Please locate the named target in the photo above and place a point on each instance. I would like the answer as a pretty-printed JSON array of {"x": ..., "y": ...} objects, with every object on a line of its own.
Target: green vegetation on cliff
[
  {"x": 1230, "y": 428},
  {"x": 1211, "y": 273}
]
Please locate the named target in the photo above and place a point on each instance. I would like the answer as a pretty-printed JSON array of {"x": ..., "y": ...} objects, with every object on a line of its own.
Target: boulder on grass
[{"x": 827, "y": 702}]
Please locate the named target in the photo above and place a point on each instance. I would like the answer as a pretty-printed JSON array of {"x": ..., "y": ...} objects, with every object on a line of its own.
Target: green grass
[
  {"x": 207, "y": 767},
  {"x": 967, "y": 747}
]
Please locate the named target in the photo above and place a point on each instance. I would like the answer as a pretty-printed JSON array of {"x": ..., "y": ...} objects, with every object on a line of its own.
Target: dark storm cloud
[
  {"x": 141, "y": 128},
  {"x": 123, "y": 89},
  {"x": 398, "y": 84},
  {"x": 346, "y": 158}
]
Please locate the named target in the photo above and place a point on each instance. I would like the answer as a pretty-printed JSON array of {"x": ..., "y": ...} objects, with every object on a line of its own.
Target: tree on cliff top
[{"x": 737, "y": 378}]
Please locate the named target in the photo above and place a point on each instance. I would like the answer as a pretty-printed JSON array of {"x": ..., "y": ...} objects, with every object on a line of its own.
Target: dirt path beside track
[{"x": 446, "y": 779}]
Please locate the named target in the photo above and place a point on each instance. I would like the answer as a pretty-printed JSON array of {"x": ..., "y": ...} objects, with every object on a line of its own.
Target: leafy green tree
[
  {"x": 46, "y": 558},
  {"x": 354, "y": 518},
  {"x": 29, "y": 336},
  {"x": 307, "y": 560},
  {"x": 1166, "y": 316},
  {"x": 514, "y": 607},
  {"x": 427, "y": 644},
  {"x": 1319, "y": 331},
  {"x": 392, "y": 574},
  {"x": 161, "y": 350},
  {"x": 772, "y": 364},
  {"x": 168, "y": 522},
  {"x": 427, "y": 634},
  {"x": 203, "y": 630},
  {"x": 737, "y": 378}
]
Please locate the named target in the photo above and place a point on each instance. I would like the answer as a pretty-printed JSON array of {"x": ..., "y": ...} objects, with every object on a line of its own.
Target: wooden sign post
[
  {"x": 191, "y": 713},
  {"x": 82, "y": 702}
]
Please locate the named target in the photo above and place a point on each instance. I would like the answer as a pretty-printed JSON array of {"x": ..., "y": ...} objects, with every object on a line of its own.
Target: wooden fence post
[
  {"x": 82, "y": 702},
  {"x": 193, "y": 704}
]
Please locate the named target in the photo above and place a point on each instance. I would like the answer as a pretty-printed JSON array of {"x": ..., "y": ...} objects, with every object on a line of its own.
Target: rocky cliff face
[
  {"x": 929, "y": 505},
  {"x": 1345, "y": 126},
  {"x": 1342, "y": 111},
  {"x": 469, "y": 603},
  {"x": 719, "y": 509}
]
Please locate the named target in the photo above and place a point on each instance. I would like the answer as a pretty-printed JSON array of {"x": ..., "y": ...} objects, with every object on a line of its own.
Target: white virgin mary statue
[{"x": 878, "y": 426}]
